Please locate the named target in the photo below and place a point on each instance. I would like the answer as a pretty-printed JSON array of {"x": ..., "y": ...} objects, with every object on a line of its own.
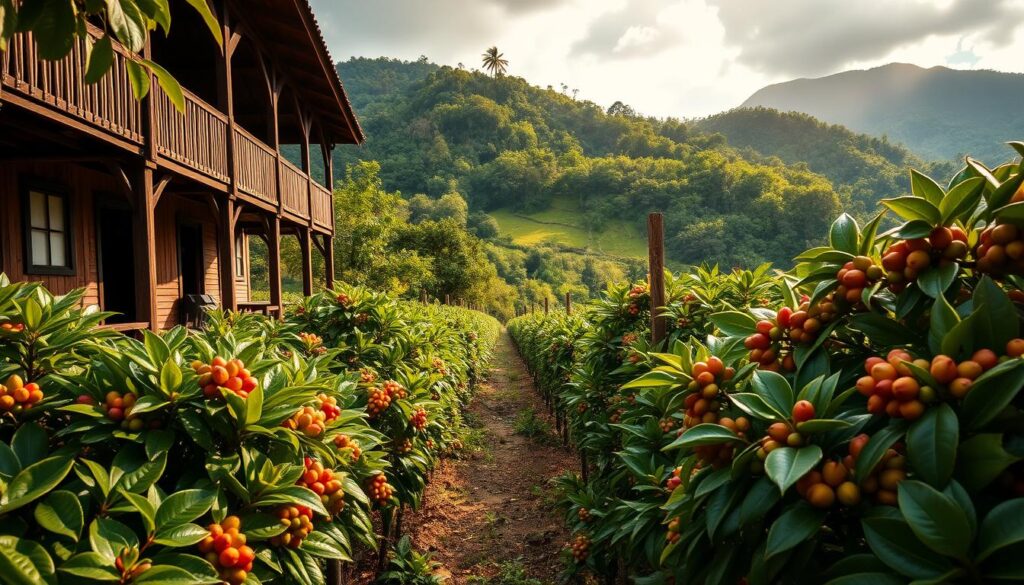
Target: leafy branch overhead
[{"x": 56, "y": 26}]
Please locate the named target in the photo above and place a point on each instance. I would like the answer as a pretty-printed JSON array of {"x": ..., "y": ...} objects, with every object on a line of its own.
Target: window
[
  {"x": 240, "y": 255},
  {"x": 47, "y": 232}
]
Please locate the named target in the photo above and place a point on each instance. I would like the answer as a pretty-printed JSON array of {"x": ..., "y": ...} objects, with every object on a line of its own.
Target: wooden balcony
[{"x": 195, "y": 140}]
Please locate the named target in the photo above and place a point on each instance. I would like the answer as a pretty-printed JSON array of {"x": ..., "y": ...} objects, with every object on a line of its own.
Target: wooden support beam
[
  {"x": 329, "y": 261},
  {"x": 160, "y": 187},
  {"x": 274, "y": 262},
  {"x": 545, "y": 305},
  {"x": 656, "y": 258},
  {"x": 306, "y": 247},
  {"x": 228, "y": 218},
  {"x": 144, "y": 234},
  {"x": 568, "y": 303}
]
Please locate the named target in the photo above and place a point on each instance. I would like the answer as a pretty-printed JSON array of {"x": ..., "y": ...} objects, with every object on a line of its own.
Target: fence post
[
  {"x": 568, "y": 303},
  {"x": 656, "y": 257}
]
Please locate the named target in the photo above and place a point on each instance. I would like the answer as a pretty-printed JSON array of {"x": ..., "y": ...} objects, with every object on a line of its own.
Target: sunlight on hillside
[{"x": 561, "y": 225}]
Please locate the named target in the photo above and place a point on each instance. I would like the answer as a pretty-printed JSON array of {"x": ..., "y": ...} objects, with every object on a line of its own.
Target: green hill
[{"x": 939, "y": 113}]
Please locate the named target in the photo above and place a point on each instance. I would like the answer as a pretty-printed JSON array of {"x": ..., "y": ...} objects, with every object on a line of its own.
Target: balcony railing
[
  {"x": 107, "y": 104},
  {"x": 196, "y": 138}
]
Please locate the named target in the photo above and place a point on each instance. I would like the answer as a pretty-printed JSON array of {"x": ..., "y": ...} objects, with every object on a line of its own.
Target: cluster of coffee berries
[
  {"x": 674, "y": 480},
  {"x": 298, "y": 523},
  {"x": 322, "y": 482},
  {"x": 343, "y": 442},
  {"x": 720, "y": 455},
  {"x": 344, "y": 300},
  {"x": 636, "y": 297},
  {"x": 885, "y": 478},
  {"x": 854, "y": 277},
  {"x": 221, "y": 373},
  {"x": 312, "y": 343},
  {"x": 419, "y": 419},
  {"x": 583, "y": 514},
  {"x": 439, "y": 366},
  {"x": 906, "y": 259},
  {"x": 16, "y": 395},
  {"x": 367, "y": 376},
  {"x": 580, "y": 548},
  {"x": 833, "y": 481},
  {"x": 379, "y": 490},
  {"x": 308, "y": 421},
  {"x": 329, "y": 406},
  {"x": 382, "y": 396},
  {"x": 782, "y": 434},
  {"x": 226, "y": 550},
  {"x": 891, "y": 387},
  {"x": 702, "y": 404},
  {"x": 1001, "y": 250},
  {"x": 12, "y": 327},
  {"x": 667, "y": 424},
  {"x": 766, "y": 344},
  {"x": 959, "y": 377},
  {"x": 672, "y": 536},
  {"x": 403, "y": 447},
  {"x": 130, "y": 565}
]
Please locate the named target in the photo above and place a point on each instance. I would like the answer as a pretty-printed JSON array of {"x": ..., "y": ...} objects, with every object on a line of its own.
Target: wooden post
[
  {"x": 568, "y": 303},
  {"x": 423, "y": 296},
  {"x": 306, "y": 247},
  {"x": 274, "y": 262},
  {"x": 656, "y": 257},
  {"x": 329, "y": 261},
  {"x": 334, "y": 572},
  {"x": 145, "y": 248},
  {"x": 447, "y": 299},
  {"x": 545, "y": 305},
  {"x": 228, "y": 285}
]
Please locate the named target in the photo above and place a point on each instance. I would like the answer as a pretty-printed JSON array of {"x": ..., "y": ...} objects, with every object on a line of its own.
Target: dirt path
[{"x": 490, "y": 513}]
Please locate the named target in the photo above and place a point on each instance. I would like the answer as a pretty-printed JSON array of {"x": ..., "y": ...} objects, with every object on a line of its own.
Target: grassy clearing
[
  {"x": 560, "y": 225},
  {"x": 509, "y": 573},
  {"x": 531, "y": 426}
]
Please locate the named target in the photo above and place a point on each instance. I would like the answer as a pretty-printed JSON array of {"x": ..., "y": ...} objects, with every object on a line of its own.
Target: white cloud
[{"x": 678, "y": 57}]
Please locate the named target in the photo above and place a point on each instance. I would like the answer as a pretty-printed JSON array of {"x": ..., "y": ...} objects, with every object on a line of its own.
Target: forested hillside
[
  {"x": 939, "y": 113},
  {"x": 502, "y": 144},
  {"x": 861, "y": 167}
]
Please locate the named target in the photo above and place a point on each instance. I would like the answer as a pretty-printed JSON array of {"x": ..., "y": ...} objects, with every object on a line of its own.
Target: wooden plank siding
[{"x": 170, "y": 213}]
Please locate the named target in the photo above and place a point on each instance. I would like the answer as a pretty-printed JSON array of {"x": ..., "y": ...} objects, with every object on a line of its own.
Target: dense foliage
[
  {"x": 855, "y": 420},
  {"x": 502, "y": 143},
  {"x": 252, "y": 450}
]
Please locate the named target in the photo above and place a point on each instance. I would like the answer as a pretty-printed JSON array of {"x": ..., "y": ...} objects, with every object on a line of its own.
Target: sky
[{"x": 681, "y": 58}]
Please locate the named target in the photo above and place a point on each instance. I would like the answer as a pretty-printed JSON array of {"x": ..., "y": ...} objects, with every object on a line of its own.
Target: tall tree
[{"x": 494, "y": 62}]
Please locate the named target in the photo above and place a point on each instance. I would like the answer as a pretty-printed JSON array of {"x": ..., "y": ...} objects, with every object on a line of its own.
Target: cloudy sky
[{"x": 680, "y": 57}]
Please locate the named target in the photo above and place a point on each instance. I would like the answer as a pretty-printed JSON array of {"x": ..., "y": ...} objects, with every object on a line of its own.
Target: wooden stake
[
  {"x": 656, "y": 256},
  {"x": 568, "y": 303},
  {"x": 545, "y": 305}
]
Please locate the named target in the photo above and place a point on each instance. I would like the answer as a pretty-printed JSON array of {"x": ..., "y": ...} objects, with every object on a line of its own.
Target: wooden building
[{"x": 144, "y": 205}]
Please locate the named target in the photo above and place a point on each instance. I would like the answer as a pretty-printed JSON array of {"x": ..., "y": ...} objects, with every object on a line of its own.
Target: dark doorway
[
  {"x": 190, "y": 258},
  {"x": 117, "y": 262}
]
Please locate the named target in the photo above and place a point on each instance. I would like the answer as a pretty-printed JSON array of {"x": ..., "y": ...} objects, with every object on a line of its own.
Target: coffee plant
[
  {"x": 854, "y": 420},
  {"x": 247, "y": 451}
]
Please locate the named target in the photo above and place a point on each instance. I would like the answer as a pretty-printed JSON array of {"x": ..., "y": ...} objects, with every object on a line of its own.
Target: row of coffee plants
[
  {"x": 857, "y": 420},
  {"x": 254, "y": 450}
]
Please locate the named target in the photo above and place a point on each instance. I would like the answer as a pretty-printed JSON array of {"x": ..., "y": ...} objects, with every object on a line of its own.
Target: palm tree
[{"x": 494, "y": 63}]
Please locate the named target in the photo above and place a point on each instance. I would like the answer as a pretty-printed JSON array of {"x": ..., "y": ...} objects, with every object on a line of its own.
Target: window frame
[
  {"x": 48, "y": 189},
  {"x": 239, "y": 259}
]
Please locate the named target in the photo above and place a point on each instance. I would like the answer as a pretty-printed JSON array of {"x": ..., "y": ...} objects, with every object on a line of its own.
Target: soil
[{"x": 494, "y": 505}]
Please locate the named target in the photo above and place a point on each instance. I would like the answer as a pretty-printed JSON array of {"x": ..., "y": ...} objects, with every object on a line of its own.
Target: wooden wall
[
  {"x": 81, "y": 183},
  {"x": 172, "y": 210},
  {"x": 242, "y": 281}
]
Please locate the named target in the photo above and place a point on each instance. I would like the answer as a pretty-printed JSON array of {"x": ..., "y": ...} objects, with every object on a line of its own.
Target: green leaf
[
  {"x": 913, "y": 209},
  {"x": 211, "y": 21},
  {"x": 184, "y": 506},
  {"x": 128, "y": 24},
  {"x": 734, "y": 323},
  {"x": 868, "y": 579},
  {"x": 797, "y": 525},
  {"x": 61, "y": 513},
  {"x": 168, "y": 84},
  {"x": 936, "y": 280},
  {"x": 844, "y": 233},
  {"x": 54, "y": 28},
  {"x": 822, "y": 425},
  {"x": 30, "y": 444},
  {"x": 961, "y": 200},
  {"x": 653, "y": 379},
  {"x": 704, "y": 434},
  {"x": 138, "y": 76},
  {"x": 981, "y": 459},
  {"x": 755, "y": 406},
  {"x": 786, "y": 465},
  {"x": 181, "y": 535},
  {"x": 109, "y": 537},
  {"x": 935, "y": 518},
  {"x": 293, "y": 495},
  {"x": 168, "y": 575},
  {"x": 931, "y": 445},
  {"x": 319, "y": 545},
  {"x": 774, "y": 389},
  {"x": 170, "y": 377},
  {"x": 989, "y": 396},
  {"x": 34, "y": 481},
  {"x": 1002, "y": 527},
  {"x": 925, "y": 187},
  {"x": 91, "y": 565},
  {"x": 895, "y": 544},
  {"x": 875, "y": 448},
  {"x": 943, "y": 319},
  {"x": 24, "y": 562},
  {"x": 159, "y": 11},
  {"x": 101, "y": 57}
]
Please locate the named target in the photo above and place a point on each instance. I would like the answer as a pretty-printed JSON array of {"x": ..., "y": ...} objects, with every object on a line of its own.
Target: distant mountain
[{"x": 938, "y": 113}]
